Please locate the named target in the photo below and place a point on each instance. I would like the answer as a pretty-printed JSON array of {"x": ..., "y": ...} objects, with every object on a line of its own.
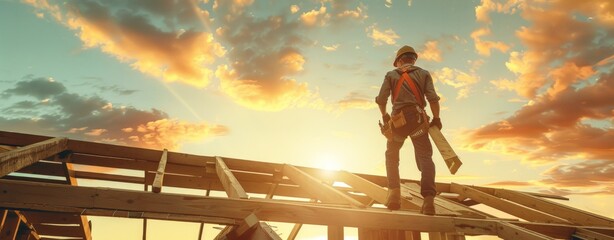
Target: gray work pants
[{"x": 424, "y": 159}]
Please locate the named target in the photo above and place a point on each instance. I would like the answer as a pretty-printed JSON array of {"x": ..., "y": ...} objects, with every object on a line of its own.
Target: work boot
[
  {"x": 428, "y": 206},
  {"x": 394, "y": 199}
]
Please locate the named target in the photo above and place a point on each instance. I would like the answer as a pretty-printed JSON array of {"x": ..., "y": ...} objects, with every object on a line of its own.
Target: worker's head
[{"x": 406, "y": 54}]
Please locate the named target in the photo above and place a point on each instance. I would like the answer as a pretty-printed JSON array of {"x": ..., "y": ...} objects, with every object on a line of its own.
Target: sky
[{"x": 526, "y": 86}]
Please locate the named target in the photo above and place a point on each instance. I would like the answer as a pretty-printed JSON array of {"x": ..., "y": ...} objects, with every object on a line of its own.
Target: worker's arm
[
  {"x": 382, "y": 98},
  {"x": 382, "y": 108},
  {"x": 435, "y": 109}
]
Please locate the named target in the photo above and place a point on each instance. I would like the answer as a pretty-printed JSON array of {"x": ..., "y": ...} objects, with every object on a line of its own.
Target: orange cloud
[
  {"x": 565, "y": 74},
  {"x": 431, "y": 52},
  {"x": 593, "y": 173},
  {"x": 284, "y": 93},
  {"x": 486, "y": 6},
  {"x": 315, "y": 17},
  {"x": 484, "y": 47},
  {"x": 356, "y": 101},
  {"x": 357, "y": 14},
  {"x": 382, "y": 37},
  {"x": 93, "y": 118},
  {"x": 457, "y": 79},
  {"x": 510, "y": 184},
  {"x": 174, "y": 55},
  {"x": 331, "y": 48},
  {"x": 170, "y": 133},
  {"x": 553, "y": 127}
]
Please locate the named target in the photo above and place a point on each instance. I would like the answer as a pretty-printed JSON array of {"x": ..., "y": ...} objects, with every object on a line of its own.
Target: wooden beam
[
  {"x": 505, "y": 206},
  {"x": 19, "y": 158},
  {"x": 412, "y": 189},
  {"x": 50, "y": 217},
  {"x": 448, "y": 207},
  {"x": 84, "y": 224},
  {"x": 318, "y": 189},
  {"x": 157, "y": 183},
  {"x": 108, "y": 177},
  {"x": 437, "y": 236},
  {"x": 59, "y": 230},
  {"x": 231, "y": 185},
  {"x": 264, "y": 231},
  {"x": 588, "y": 234},
  {"x": 106, "y": 155},
  {"x": 509, "y": 231},
  {"x": 200, "y": 231},
  {"x": 372, "y": 190},
  {"x": 297, "y": 226},
  {"x": 294, "y": 232},
  {"x": 3, "y": 217},
  {"x": 63, "y": 198},
  {"x": 335, "y": 232},
  {"x": 571, "y": 214},
  {"x": 11, "y": 226},
  {"x": 412, "y": 235}
]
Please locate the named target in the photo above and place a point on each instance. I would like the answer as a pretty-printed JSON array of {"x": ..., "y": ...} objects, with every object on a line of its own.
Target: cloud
[
  {"x": 331, "y": 48},
  {"x": 40, "y": 88},
  {"x": 264, "y": 56},
  {"x": 553, "y": 126},
  {"x": 294, "y": 9},
  {"x": 510, "y": 184},
  {"x": 116, "y": 89},
  {"x": 457, "y": 79},
  {"x": 572, "y": 41},
  {"x": 282, "y": 94},
  {"x": 484, "y": 47},
  {"x": 94, "y": 118},
  {"x": 486, "y": 6},
  {"x": 431, "y": 52},
  {"x": 565, "y": 74},
  {"x": 355, "y": 100},
  {"x": 161, "y": 40},
  {"x": 315, "y": 17},
  {"x": 379, "y": 37},
  {"x": 341, "y": 11},
  {"x": 591, "y": 173}
]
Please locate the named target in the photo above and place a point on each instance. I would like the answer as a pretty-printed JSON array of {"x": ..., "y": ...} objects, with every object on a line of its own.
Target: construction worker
[{"x": 408, "y": 85}]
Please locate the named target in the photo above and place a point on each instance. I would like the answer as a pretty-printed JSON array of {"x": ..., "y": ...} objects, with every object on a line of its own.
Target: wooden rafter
[
  {"x": 319, "y": 189},
  {"x": 510, "y": 231},
  {"x": 10, "y": 226},
  {"x": 339, "y": 206},
  {"x": 84, "y": 225},
  {"x": 19, "y": 158},
  {"x": 335, "y": 232},
  {"x": 43, "y": 196},
  {"x": 506, "y": 206},
  {"x": 157, "y": 183},
  {"x": 372, "y": 190},
  {"x": 231, "y": 185},
  {"x": 588, "y": 234},
  {"x": 571, "y": 214}
]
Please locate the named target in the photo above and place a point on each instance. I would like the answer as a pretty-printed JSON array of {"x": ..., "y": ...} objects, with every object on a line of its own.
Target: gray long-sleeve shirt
[{"x": 405, "y": 96}]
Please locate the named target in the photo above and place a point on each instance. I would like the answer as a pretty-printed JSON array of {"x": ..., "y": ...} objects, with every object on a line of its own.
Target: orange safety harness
[{"x": 406, "y": 78}]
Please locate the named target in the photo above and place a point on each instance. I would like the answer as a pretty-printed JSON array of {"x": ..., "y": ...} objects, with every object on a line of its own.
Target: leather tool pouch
[
  {"x": 398, "y": 120},
  {"x": 412, "y": 122}
]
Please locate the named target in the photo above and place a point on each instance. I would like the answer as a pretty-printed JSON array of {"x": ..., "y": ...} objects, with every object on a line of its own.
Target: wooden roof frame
[{"x": 30, "y": 189}]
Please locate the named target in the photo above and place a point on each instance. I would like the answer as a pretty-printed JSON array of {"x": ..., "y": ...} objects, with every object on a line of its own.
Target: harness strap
[{"x": 406, "y": 78}]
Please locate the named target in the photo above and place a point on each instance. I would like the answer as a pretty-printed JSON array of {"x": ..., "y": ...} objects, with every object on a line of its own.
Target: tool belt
[{"x": 410, "y": 121}]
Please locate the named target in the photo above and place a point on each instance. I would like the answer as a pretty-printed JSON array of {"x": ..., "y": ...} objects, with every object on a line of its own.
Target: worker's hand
[
  {"x": 386, "y": 118},
  {"x": 436, "y": 122}
]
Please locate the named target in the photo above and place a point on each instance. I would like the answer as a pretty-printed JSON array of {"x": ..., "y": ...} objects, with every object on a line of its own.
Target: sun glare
[{"x": 329, "y": 162}]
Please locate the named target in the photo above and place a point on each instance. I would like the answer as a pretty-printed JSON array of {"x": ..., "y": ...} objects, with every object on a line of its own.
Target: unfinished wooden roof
[{"x": 40, "y": 198}]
